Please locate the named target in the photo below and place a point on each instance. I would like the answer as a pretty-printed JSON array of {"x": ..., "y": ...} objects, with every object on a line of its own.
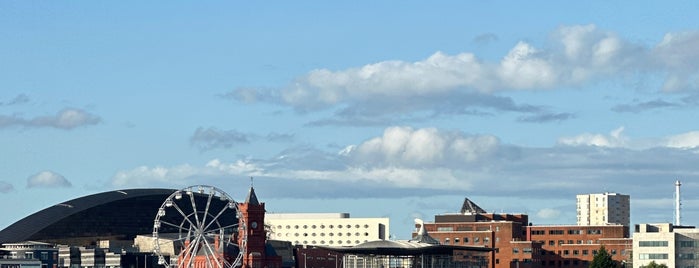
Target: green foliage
[
  {"x": 653, "y": 264},
  {"x": 603, "y": 260}
]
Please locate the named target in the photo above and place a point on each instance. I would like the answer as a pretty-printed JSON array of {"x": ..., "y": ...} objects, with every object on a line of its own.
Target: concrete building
[
  {"x": 28, "y": 254},
  {"x": 664, "y": 243},
  {"x": 325, "y": 229},
  {"x": 603, "y": 209}
]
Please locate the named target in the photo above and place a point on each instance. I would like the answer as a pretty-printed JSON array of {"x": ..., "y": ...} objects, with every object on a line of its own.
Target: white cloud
[
  {"x": 416, "y": 160},
  {"x": 180, "y": 175},
  {"x": 405, "y": 146},
  {"x": 614, "y": 139},
  {"x": 575, "y": 56},
  {"x": 684, "y": 140},
  {"x": 47, "y": 179},
  {"x": 548, "y": 213}
]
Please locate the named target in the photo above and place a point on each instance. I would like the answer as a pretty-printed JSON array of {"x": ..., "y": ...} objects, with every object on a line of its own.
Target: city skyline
[{"x": 375, "y": 109}]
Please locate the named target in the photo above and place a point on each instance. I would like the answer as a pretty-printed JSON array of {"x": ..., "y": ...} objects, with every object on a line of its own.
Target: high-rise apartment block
[{"x": 604, "y": 209}]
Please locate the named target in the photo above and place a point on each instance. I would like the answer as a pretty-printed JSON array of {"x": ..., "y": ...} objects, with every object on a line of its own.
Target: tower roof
[
  {"x": 252, "y": 197},
  {"x": 471, "y": 208}
]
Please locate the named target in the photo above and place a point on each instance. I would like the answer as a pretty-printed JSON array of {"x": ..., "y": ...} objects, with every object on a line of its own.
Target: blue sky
[{"x": 389, "y": 109}]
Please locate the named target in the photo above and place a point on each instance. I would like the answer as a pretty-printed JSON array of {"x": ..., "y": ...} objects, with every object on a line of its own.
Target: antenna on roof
[{"x": 250, "y": 181}]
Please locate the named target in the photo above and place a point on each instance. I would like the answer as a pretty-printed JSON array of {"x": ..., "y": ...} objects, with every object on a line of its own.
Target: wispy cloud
[
  {"x": 214, "y": 138},
  {"x": 19, "y": 99},
  {"x": 67, "y": 119},
  {"x": 47, "y": 179},
  {"x": 6, "y": 187},
  {"x": 638, "y": 107}
]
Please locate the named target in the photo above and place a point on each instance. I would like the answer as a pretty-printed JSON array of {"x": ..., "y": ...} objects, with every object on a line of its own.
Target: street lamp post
[{"x": 305, "y": 259}]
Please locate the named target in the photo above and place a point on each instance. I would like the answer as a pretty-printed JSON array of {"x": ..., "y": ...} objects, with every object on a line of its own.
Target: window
[
  {"x": 576, "y": 252},
  {"x": 515, "y": 250},
  {"x": 687, "y": 244},
  {"x": 538, "y": 232},
  {"x": 585, "y": 252},
  {"x": 652, "y": 256},
  {"x": 476, "y": 239},
  {"x": 652, "y": 243},
  {"x": 594, "y": 231},
  {"x": 486, "y": 239},
  {"x": 560, "y": 242},
  {"x": 446, "y": 241},
  {"x": 456, "y": 240},
  {"x": 555, "y": 232},
  {"x": 566, "y": 252},
  {"x": 552, "y": 243},
  {"x": 465, "y": 239},
  {"x": 445, "y": 229},
  {"x": 527, "y": 250},
  {"x": 686, "y": 256},
  {"x": 29, "y": 255}
]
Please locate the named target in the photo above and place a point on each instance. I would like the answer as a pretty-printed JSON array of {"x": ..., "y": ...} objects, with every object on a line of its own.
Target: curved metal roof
[{"x": 120, "y": 214}]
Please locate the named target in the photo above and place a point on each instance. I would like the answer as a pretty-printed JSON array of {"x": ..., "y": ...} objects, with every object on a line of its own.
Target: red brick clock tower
[{"x": 253, "y": 212}]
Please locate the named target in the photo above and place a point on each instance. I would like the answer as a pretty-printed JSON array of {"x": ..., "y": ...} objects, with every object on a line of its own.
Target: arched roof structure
[{"x": 118, "y": 215}]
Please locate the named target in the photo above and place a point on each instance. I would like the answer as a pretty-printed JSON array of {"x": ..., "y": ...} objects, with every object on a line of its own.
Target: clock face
[{"x": 254, "y": 225}]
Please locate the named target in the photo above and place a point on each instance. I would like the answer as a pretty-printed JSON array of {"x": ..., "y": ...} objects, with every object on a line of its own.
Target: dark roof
[
  {"x": 120, "y": 209},
  {"x": 120, "y": 214},
  {"x": 252, "y": 197},
  {"x": 471, "y": 208}
]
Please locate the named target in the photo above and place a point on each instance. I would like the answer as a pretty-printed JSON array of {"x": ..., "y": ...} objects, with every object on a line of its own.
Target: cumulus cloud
[
  {"x": 399, "y": 92},
  {"x": 437, "y": 161},
  {"x": 67, "y": 119},
  {"x": 6, "y": 187},
  {"x": 548, "y": 213},
  {"x": 47, "y": 179},
  {"x": 405, "y": 146}
]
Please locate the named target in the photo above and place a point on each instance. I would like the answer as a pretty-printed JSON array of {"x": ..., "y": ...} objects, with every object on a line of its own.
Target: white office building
[
  {"x": 674, "y": 246},
  {"x": 325, "y": 229},
  {"x": 603, "y": 209}
]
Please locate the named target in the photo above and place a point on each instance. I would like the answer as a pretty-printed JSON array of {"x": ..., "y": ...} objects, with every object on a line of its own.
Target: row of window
[
  {"x": 524, "y": 250},
  {"x": 476, "y": 240},
  {"x": 319, "y": 234},
  {"x": 652, "y": 256},
  {"x": 322, "y": 226},
  {"x": 570, "y": 232},
  {"x": 330, "y": 242},
  {"x": 570, "y": 242},
  {"x": 652, "y": 243}
]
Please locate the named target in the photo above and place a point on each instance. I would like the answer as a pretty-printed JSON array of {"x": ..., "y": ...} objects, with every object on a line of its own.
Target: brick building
[
  {"x": 574, "y": 246},
  {"x": 519, "y": 245}
]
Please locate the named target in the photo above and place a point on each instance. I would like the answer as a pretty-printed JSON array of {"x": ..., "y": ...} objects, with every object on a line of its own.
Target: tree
[
  {"x": 603, "y": 260},
  {"x": 653, "y": 264}
]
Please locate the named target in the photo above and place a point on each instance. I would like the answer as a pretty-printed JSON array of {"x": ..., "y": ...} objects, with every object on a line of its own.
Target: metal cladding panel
[{"x": 103, "y": 214}]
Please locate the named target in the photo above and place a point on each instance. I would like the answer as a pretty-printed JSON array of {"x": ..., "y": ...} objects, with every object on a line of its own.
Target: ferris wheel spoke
[
  {"x": 215, "y": 218},
  {"x": 184, "y": 215},
  {"x": 208, "y": 249},
  {"x": 173, "y": 225},
  {"x": 206, "y": 210},
  {"x": 194, "y": 210}
]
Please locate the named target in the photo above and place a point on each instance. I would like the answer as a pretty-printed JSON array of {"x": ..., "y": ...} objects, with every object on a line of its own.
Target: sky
[{"x": 396, "y": 109}]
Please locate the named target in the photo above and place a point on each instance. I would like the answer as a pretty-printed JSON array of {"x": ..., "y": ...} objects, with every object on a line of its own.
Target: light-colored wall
[{"x": 327, "y": 231}]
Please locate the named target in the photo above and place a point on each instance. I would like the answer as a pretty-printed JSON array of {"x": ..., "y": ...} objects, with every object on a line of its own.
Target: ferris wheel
[{"x": 199, "y": 225}]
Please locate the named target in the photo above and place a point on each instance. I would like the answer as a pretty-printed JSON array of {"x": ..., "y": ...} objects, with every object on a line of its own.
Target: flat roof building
[
  {"x": 603, "y": 209},
  {"x": 665, "y": 243},
  {"x": 325, "y": 229}
]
